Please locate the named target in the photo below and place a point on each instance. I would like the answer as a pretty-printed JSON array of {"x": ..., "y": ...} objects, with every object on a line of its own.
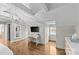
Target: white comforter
[{"x": 4, "y": 50}]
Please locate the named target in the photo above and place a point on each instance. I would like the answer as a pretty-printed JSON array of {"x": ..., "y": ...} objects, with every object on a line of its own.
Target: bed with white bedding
[{"x": 4, "y": 50}]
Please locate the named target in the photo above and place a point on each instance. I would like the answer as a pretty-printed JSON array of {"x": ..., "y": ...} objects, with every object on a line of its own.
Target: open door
[{"x": 8, "y": 32}]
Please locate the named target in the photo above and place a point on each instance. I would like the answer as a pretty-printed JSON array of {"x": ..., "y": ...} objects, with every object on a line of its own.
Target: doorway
[
  {"x": 52, "y": 31},
  {"x": 5, "y": 31},
  {"x": 8, "y": 33}
]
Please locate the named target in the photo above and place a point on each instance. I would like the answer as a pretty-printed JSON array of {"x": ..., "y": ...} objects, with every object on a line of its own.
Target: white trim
[
  {"x": 19, "y": 39},
  {"x": 27, "y": 39}
]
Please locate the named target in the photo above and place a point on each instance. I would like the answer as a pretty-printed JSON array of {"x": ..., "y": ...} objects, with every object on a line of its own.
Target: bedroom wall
[{"x": 77, "y": 25}]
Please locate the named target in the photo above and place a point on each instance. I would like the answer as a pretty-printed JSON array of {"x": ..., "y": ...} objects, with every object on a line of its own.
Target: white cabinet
[{"x": 67, "y": 47}]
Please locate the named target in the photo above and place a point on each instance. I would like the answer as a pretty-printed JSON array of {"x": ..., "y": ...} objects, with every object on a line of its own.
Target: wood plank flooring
[{"x": 25, "y": 47}]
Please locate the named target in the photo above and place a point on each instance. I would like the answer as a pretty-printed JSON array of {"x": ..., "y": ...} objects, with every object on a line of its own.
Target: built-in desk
[{"x": 34, "y": 38}]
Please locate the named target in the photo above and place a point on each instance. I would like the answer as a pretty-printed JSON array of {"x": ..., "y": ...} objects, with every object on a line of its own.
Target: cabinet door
[{"x": 67, "y": 49}]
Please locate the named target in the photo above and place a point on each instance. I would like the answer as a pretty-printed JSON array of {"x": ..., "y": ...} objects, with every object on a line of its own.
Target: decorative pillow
[{"x": 74, "y": 37}]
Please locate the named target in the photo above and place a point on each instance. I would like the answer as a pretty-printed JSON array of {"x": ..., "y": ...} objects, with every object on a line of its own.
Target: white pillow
[{"x": 75, "y": 37}]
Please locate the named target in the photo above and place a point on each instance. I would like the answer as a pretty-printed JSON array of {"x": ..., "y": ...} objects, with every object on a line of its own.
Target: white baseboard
[
  {"x": 27, "y": 39},
  {"x": 60, "y": 47},
  {"x": 19, "y": 39}
]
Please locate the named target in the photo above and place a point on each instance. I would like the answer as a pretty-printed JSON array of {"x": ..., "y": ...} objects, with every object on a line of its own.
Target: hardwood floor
[{"x": 24, "y": 47}]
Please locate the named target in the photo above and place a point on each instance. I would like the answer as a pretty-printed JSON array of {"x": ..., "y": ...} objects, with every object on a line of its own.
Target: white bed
[{"x": 4, "y": 50}]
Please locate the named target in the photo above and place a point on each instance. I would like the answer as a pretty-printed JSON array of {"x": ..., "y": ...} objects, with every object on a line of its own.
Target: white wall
[
  {"x": 46, "y": 33},
  {"x": 13, "y": 31},
  {"x": 66, "y": 15},
  {"x": 2, "y": 31},
  {"x": 61, "y": 33},
  {"x": 42, "y": 32},
  {"x": 77, "y": 25},
  {"x": 6, "y": 31}
]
